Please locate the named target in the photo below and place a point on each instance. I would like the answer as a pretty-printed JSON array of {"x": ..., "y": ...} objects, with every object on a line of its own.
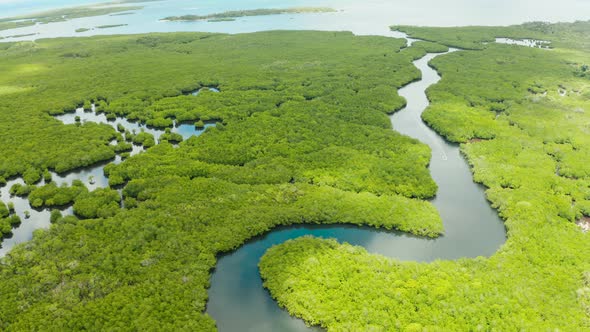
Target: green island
[
  {"x": 301, "y": 137},
  {"x": 225, "y": 19},
  {"x": 522, "y": 117},
  {"x": 228, "y": 15},
  {"x": 82, "y": 29},
  {"x": 7, "y": 25},
  {"x": 108, "y": 26},
  {"x": 22, "y": 35},
  {"x": 64, "y": 14}
]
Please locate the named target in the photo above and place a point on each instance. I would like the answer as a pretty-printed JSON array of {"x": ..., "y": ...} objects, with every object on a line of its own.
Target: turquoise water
[
  {"x": 185, "y": 129},
  {"x": 360, "y": 17}
]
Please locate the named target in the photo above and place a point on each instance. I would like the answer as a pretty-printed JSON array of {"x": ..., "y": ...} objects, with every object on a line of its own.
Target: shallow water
[
  {"x": 24, "y": 232},
  {"x": 184, "y": 129},
  {"x": 361, "y": 17},
  {"x": 525, "y": 42},
  {"x": 93, "y": 177}
]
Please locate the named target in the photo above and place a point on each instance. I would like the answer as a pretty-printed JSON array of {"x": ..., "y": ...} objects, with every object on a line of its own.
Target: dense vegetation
[
  {"x": 229, "y": 15},
  {"x": 302, "y": 137},
  {"x": 529, "y": 145},
  {"x": 51, "y": 195},
  {"x": 561, "y": 35},
  {"x": 227, "y": 19},
  {"x": 7, "y": 220}
]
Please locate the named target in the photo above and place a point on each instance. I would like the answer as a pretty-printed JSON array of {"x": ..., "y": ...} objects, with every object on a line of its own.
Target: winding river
[{"x": 237, "y": 300}]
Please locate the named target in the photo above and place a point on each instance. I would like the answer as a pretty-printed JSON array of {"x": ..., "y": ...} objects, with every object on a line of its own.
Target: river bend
[{"x": 237, "y": 299}]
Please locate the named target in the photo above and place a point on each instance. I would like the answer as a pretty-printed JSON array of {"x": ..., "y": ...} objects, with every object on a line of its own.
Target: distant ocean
[{"x": 9, "y": 8}]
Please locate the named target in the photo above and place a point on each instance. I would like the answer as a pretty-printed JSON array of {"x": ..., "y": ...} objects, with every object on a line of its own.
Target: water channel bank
[{"x": 237, "y": 299}]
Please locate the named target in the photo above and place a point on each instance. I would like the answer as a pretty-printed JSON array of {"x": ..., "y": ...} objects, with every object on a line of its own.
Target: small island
[
  {"x": 123, "y": 14},
  {"x": 23, "y": 35},
  {"x": 62, "y": 15},
  {"x": 108, "y": 26},
  {"x": 231, "y": 15},
  {"x": 227, "y": 19}
]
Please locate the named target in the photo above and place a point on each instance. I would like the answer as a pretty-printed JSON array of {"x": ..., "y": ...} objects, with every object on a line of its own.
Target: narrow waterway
[
  {"x": 186, "y": 130},
  {"x": 237, "y": 300},
  {"x": 93, "y": 176}
]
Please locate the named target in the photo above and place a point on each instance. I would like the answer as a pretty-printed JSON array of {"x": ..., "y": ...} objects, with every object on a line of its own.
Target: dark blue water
[{"x": 360, "y": 17}]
